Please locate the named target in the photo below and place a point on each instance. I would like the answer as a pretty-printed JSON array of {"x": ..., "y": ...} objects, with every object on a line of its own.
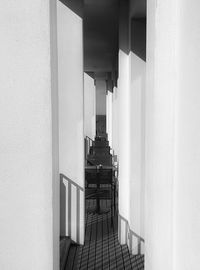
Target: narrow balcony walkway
[{"x": 102, "y": 249}]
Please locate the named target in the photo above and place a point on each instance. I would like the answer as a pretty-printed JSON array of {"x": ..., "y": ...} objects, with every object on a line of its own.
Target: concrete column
[
  {"x": 124, "y": 119},
  {"x": 89, "y": 107},
  {"x": 160, "y": 132},
  {"x": 100, "y": 96},
  {"x": 131, "y": 103},
  {"x": 187, "y": 150},
  {"x": 115, "y": 121},
  {"x": 28, "y": 155},
  {"x": 101, "y": 104},
  {"x": 71, "y": 117},
  {"x": 109, "y": 117},
  {"x": 173, "y": 146},
  {"x": 137, "y": 135}
]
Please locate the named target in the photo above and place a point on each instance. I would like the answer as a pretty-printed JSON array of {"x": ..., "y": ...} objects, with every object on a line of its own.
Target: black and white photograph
[{"x": 100, "y": 135}]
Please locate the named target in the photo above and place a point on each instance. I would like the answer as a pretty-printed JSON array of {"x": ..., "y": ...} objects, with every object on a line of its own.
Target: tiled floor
[{"x": 102, "y": 249}]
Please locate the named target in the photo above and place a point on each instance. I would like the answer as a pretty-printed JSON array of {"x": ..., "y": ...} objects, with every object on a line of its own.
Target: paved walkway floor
[{"x": 102, "y": 249}]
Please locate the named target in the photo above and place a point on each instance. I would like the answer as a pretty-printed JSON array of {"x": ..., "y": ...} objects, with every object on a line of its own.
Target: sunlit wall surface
[
  {"x": 71, "y": 111},
  {"x": 130, "y": 101},
  {"x": 124, "y": 137},
  {"x": 187, "y": 186},
  {"x": 115, "y": 121},
  {"x": 137, "y": 145},
  {"x": 173, "y": 146},
  {"x": 26, "y": 140},
  {"x": 109, "y": 117}
]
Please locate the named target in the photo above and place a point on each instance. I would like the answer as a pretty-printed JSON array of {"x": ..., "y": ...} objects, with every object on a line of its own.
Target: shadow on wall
[
  {"x": 124, "y": 26},
  {"x": 75, "y": 5},
  {"x": 138, "y": 37},
  {"x": 137, "y": 43}
]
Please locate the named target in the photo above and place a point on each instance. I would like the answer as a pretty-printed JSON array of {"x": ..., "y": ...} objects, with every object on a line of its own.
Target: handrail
[
  {"x": 132, "y": 232},
  {"x": 111, "y": 151},
  {"x": 87, "y": 137},
  {"x": 72, "y": 196},
  {"x": 71, "y": 182},
  {"x": 88, "y": 144},
  {"x": 90, "y": 162},
  {"x": 129, "y": 234}
]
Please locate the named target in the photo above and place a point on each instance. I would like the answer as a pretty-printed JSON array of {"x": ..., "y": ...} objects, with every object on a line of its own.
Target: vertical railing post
[
  {"x": 78, "y": 215},
  {"x": 73, "y": 198},
  {"x": 69, "y": 208},
  {"x": 85, "y": 149},
  {"x": 88, "y": 144}
]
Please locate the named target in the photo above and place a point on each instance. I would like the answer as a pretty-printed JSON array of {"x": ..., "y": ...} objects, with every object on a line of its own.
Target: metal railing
[
  {"x": 72, "y": 209},
  {"x": 129, "y": 236},
  {"x": 88, "y": 144}
]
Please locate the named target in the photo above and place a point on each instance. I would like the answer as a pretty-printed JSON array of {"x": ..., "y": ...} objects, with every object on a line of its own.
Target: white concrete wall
[
  {"x": 89, "y": 107},
  {"x": 187, "y": 150},
  {"x": 131, "y": 142},
  {"x": 123, "y": 96},
  {"x": 124, "y": 137},
  {"x": 100, "y": 96},
  {"x": 131, "y": 147},
  {"x": 26, "y": 140},
  {"x": 115, "y": 121},
  {"x": 173, "y": 146},
  {"x": 109, "y": 110},
  {"x": 137, "y": 145},
  {"x": 71, "y": 111},
  {"x": 160, "y": 140},
  {"x": 55, "y": 135}
]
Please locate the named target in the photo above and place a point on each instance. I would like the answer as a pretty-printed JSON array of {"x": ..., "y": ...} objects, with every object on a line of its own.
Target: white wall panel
[
  {"x": 28, "y": 169},
  {"x": 89, "y": 107},
  {"x": 71, "y": 100}
]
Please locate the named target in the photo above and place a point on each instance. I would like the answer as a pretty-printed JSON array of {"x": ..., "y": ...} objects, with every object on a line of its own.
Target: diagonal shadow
[{"x": 75, "y": 5}]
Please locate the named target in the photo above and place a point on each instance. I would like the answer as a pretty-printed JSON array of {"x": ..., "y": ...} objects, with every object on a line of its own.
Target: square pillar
[
  {"x": 28, "y": 137},
  {"x": 71, "y": 117},
  {"x": 172, "y": 136}
]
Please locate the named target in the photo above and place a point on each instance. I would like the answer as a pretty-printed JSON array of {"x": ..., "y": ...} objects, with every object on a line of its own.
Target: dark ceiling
[
  {"x": 100, "y": 34},
  {"x": 100, "y": 22}
]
